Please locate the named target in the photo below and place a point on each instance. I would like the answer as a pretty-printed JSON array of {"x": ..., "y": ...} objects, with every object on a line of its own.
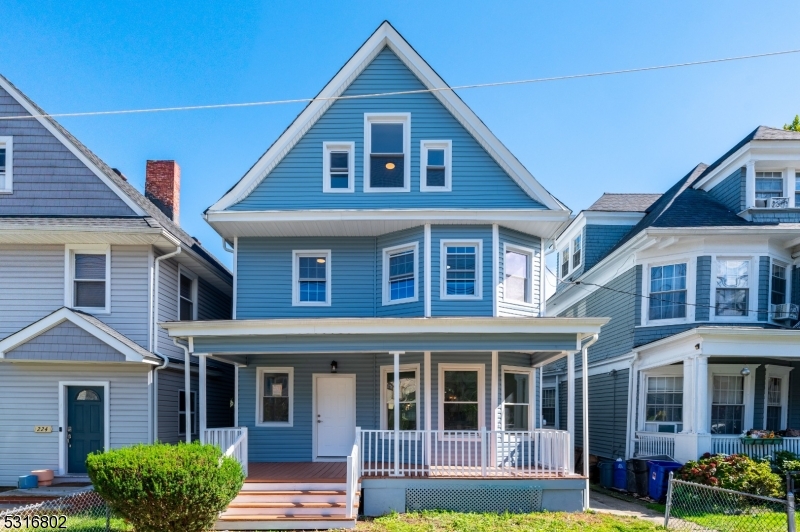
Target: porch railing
[
  {"x": 733, "y": 445},
  {"x": 654, "y": 444},
  {"x": 353, "y": 474},
  {"x": 232, "y": 441},
  {"x": 448, "y": 453}
]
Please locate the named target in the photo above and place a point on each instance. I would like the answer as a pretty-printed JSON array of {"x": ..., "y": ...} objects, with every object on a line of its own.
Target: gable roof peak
[{"x": 386, "y": 36}]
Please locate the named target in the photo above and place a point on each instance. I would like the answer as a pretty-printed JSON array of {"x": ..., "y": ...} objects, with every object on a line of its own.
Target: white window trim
[
  {"x": 522, "y": 251},
  {"x": 570, "y": 248},
  {"x": 62, "y": 418},
  {"x": 733, "y": 370},
  {"x": 573, "y": 247},
  {"x": 327, "y": 148},
  {"x": 554, "y": 423},
  {"x": 193, "y": 418},
  {"x": 69, "y": 270},
  {"x": 662, "y": 371},
  {"x": 478, "y": 269},
  {"x": 260, "y": 370},
  {"x": 389, "y": 370},
  {"x": 386, "y": 289},
  {"x": 7, "y": 184},
  {"x": 752, "y": 298},
  {"x": 447, "y": 146},
  {"x": 296, "y": 254},
  {"x": 397, "y": 118},
  {"x": 780, "y": 372},
  {"x": 191, "y": 275},
  {"x": 691, "y": 288},
  {"x": 481, "y": 369},
  {"x": 531, "y": 393},
  {"x": 786, "y": 191}
]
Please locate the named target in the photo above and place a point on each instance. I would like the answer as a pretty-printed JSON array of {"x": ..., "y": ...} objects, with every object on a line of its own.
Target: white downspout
[
  {"x": 154, "y": 336},
  {"x": 187, "y": 385},
  {"x": 632, "y": 408},
  {"x": 585, "y": 420}
]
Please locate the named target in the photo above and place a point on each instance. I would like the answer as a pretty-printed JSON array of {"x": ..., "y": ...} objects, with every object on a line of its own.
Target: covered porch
[{"x": 701, "y": 390}]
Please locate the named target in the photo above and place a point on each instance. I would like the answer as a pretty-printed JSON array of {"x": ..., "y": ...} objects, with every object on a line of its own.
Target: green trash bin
[{"x": 606, "y": 474}]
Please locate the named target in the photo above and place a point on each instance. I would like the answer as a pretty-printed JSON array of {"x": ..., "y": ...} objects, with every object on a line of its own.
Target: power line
[{"x": 397, "y": 93}]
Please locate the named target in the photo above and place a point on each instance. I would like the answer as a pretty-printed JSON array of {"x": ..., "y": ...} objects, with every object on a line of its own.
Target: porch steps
[{"x": 288, "y": 506}]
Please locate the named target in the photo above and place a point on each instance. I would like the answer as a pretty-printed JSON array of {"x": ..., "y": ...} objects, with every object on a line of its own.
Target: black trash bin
[
  {"x": 630, "y": 466},
  {"x": 641, "y": 470}
]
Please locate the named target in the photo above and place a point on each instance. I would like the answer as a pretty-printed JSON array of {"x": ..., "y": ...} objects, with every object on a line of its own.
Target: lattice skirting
[{"x": 519, "y": 500}]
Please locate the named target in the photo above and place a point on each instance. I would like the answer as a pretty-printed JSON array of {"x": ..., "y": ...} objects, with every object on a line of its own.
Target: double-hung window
[
  {"x": 667, "y": 291},
  {"x": 461, "y": 397},
  {"x": 727, "y": 405},
  {"x": 182, "y": 412},
  {"x": 769, "y": 185},
  {"x": 435, "y": 172},
  {"x": 733, "y": 287},
  {"x": 774, "y": 403},
  {"x": 549, "y": 407},
  {"x": 187, "y": 296},
  {"x": 517, "y": 399},
  {"x": 311, "y": 271},
  {"x": 461, "y": 270},
  {"x": 387, "y": 160},
  {"x": 517, "y": 270},
  {"x": 400, "y": 274},
  {"x": 90, "y": 271},
  {"x": 274, "y": 396},
  {"x": 337, "y": 166},
  {"x": 565, "y": 262},
  {"x": 408, "y": 397},
  {"x": 778, "y": 284},
  {"x": 6, "y": 165},
  {"x": 664, "y": 404},
  {"x": 577, "y": 251},
  {"x": 797, "y": 190}
]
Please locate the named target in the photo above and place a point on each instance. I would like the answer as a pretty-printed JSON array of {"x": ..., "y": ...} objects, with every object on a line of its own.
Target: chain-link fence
[
  {"x": 705, "y": 508},
  {"x": 85, "y": 511}
]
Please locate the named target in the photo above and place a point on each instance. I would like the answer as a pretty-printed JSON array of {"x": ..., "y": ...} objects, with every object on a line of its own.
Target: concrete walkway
[{"x": 602, "y": 503}]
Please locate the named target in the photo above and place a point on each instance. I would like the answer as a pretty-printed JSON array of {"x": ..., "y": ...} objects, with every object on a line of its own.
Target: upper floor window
[
  {"x": 797, "y": 190},
  {"x": 400, "y": 274},
  {"x": 517, "y": 269},
  {"x": 6, "y": 165},
  {"x": 577, "y": 249},
  {"x": 311, "y": 273},
  {"x": 408, "y": 397},
  {"x": 768, "y": 185},
  {"x": 778, "y": 284},
  {"x": 435, "y": 174},
  {"x": 668, "y": 291},
  {"x": 187, "y": 296},
  {"x": 664, "y": 404},
  {"x": 461, "y": 270},
  {"x": 387, "y": 141},
  {"x": 564, "y": 262},
  {"x": 337, "y": 166},
  {"x": 571, "y": 256},
  {"x": 89, "y": 271},
  {"x": 733, "y": 287}
]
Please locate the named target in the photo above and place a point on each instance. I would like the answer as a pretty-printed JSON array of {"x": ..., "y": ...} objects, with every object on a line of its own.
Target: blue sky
[{"x": 628, "y": 133}]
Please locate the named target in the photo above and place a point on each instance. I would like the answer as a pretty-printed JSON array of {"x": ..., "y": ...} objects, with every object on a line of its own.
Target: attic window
[
  {"x": 435, "y": 162},
  {"x": 565, "y": 262},
  {"x": 769, "y": 185},
  {"x": 187, "y": 298},
  {"x": 577, "y": 249},
  {"x": 387, "y": 141},
  {"x": 6, "y": 166},
  {"x": 337, "y": 166}
]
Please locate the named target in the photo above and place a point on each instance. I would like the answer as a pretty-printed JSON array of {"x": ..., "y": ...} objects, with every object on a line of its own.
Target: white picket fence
[
  {"x": 734, "y": 445},
  {"x": 654, "y": 444}
]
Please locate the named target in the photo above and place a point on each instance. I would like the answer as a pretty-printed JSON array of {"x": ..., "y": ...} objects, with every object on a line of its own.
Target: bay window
[
  {"x": 732, "y": 287},
  {"x": 727, "y": 404},
  {"x": 778, "y": 284}
]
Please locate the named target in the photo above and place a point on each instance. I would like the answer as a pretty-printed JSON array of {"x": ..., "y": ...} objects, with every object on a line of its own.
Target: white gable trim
[
  {"x": 60, "y": 316},
  {"x": 20, "y": 99},
  {"x": 386, "y": 35}
]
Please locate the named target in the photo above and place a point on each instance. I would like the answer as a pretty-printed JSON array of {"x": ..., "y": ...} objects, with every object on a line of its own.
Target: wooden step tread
[
  {"x": 292, "y": 492},
  {"x": 287, "y": 505},
  {"x": 285, "y": 518}
]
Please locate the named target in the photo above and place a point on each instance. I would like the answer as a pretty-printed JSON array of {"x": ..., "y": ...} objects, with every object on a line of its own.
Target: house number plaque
[{"x": 43, "y": 428}]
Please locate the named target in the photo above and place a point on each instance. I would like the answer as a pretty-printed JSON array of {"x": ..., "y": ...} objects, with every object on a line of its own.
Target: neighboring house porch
[
  {"x": 319, "y": 391},
  {"x": 698, "y": 391}
]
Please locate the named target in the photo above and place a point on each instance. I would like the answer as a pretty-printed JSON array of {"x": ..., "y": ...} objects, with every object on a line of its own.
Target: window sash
[
  {"x": 664, "y": 401},
  {"x": 516, "y": 402},
  {"x": 516, "y": 266},
  {"x": 402, "y": 273},
  {"x": 408, "y": 402},
  {"x": 769, "y": 185},
  {"x": 182, "y": 412},
  {"x": 778, "y": 288},
  {"x": 577, "y": 248},
  {"x": 461, "y": 270},
  {"x": 564, "y": 263},
  {"x": 312, "y": 278},
  {"x": 461, "y": 412},
  {"x": 275, "y": 397}
]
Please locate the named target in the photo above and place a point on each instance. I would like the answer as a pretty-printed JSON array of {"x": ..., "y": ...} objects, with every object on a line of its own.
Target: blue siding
[
  {"x": 763, "y": 288},
  {"x": 731, "y": 191},
  {"x": 296, "y": 182},
  {"x": 598, "y": 241},
  {"x": 703, "y": 288},
  {"x": 608, "y": 406},
  {"x": 471, "y": 307},
  {"x": 512, "y": 308},
  {"x": 782, "y": 216},
  {"x": 413, "y": 308}
]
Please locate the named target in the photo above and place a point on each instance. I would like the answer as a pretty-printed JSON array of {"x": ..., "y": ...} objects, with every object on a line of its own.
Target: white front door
[{"x": 335, "y": 397}]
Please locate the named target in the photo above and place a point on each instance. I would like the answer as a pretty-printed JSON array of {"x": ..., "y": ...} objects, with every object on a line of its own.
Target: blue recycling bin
[
  {"x": 659, "y": 476},
  {"x": 26, "y": 482},
  {"x": 620, "y": 475}
]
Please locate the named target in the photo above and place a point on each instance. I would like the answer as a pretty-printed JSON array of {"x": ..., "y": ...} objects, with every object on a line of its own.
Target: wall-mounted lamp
[
  {"x": 334, "y": 366},
  {"x": 697, "y": 346},
  {"x": 745, "y": 371}
]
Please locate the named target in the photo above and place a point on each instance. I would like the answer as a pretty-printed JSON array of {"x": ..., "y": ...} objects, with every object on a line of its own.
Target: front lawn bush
[
  {"x": 166, "y": 488},
  {"x": 736, "y": 472},
  {"x": 786, "y": 462}
]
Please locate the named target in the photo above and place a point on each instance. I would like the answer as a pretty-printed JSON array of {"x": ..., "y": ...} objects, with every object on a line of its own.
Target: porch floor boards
[{"x": 309, "y": 472}]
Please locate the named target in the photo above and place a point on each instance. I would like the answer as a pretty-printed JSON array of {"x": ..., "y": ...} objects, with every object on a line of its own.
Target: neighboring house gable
[{"x": 66, "y": 342}]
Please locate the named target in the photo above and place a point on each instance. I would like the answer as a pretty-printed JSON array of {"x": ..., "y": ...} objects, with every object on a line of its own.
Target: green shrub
[
  {"x": 166, "y": 488},
  {"x": 785, "y": 462},
  {"x": 735, "y": 472}
]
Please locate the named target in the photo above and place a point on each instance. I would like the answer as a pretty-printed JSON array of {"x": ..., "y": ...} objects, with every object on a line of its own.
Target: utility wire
[{"x": 397, "y": 93}]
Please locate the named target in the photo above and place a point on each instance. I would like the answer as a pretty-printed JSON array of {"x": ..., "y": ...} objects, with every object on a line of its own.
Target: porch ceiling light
[
  {"x": 745, "y": 371},
  {"x": 334, "y": 366}
]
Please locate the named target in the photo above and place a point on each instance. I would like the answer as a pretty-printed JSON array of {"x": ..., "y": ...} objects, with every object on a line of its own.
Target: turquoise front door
[{"x": 85, "y": 425}]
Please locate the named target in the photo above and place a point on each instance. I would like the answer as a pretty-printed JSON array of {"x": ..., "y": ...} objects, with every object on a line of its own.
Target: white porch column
[
  {"x": 571, "y": 406},
  {"x": 750, "y": 184},
  {"x": 701, "y": 398},
  {"x": 689, "y": 387},
  {"x": 788, "y": 186},
  {"x": 201, "y": 358},
  {"x": 396, "y": 406},
  {"x": 187, "y": 390},
  {"x": 426, "y": 360}
]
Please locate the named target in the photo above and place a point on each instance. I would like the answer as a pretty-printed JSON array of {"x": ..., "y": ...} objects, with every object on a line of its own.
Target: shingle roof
[
  {"x": 624, "y": 202},
  {"x": 129, "y": 190},
  {"x": 104, "y": 223},
  {"x": 759, "y": 133}
]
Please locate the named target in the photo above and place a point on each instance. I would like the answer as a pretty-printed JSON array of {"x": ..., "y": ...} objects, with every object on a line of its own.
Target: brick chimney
[{"x": 162, "y": 186}]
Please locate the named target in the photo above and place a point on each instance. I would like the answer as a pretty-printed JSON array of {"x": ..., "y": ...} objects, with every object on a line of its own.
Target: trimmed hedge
[{"x": 166, "y": 488}]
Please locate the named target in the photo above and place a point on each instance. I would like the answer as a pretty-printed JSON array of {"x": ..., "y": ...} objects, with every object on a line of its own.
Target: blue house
[
  {"x": 388, "y": 325},
  {"x": 702, "y": 286}
]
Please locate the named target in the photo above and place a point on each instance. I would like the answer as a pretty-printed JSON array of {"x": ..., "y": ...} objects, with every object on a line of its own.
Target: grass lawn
[{"x": 463, "y": 522}]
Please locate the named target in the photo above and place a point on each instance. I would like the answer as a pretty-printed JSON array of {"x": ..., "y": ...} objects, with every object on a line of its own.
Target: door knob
[{"x": 319, "y": 421}]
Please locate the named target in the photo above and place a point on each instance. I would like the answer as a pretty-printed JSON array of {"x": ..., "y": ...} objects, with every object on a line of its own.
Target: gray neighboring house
[
  {"x": 702, "y": 286},
  {"x": 88, "y": 267}
]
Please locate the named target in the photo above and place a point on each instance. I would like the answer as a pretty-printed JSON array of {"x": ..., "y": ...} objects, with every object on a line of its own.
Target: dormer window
[
  {"x": 768, "y": 185},
  {"x": 6, "y": 166},
  {"x": 337, "y": 166},
  {"x": 797, "y": 189},
  {"x": 565, "y": 262},
  {"x": 387, "y": 142},
  {"x": 577, "y": 248},
  {"x": 435, "y": 173}
]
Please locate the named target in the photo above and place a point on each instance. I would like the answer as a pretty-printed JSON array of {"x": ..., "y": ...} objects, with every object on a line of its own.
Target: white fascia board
[
  {"x": 777, "y": 151},
  {"x": 432, "y": 215},
  {"x": 327, "y": 326},
  {"x": 60, "y": 316},
  {"x": 386, "y": 35},
  {"x": 70, "y": 146},
  {"x": 786, "y": 229}
]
